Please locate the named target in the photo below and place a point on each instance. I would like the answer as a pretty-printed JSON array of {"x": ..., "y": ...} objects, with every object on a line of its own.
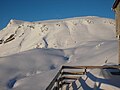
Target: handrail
[
  {"x": 59, "y": 76},
  {"x": 54, "y": 80},
  {"x": 90, "y": 67},
  {"x": 73, "y": 73}
]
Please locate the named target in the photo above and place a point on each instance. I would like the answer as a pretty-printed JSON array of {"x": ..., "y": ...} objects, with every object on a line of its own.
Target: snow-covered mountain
[
  {"x": 20, "y": 36},
  {"x": 31, "y": 53}
]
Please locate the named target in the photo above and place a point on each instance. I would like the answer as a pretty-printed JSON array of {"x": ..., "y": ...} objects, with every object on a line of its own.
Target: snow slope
[
  {"x": 33, "y": 63},
  {"x": 31, "y": 53}
]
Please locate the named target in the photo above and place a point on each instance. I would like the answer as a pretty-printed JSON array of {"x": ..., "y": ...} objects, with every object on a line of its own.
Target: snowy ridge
[{"x": 60, "y": 34}]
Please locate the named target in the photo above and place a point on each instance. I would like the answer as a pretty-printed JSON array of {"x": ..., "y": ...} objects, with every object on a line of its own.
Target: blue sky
[{"x": 37, "y": 10}]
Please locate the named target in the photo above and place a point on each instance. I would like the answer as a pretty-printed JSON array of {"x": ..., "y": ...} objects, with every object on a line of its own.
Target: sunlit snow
[{"x": 31, "y": 53}]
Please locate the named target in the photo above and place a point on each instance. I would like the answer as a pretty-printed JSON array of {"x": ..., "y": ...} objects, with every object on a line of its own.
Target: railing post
[
  {"x": 60, "y": 78},
  {"x": 58, "y": 84},
  {"x": 85, "y": 70}
]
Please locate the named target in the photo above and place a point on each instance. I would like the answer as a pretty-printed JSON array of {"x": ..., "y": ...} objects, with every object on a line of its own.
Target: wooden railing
[{"x": 67, "y": 73}]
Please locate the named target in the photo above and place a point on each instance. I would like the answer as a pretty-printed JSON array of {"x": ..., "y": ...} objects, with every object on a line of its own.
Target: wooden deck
[{"x": 68, "y": 74}]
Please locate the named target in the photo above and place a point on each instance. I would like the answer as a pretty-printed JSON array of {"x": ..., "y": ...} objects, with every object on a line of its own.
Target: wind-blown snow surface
[{"x": 31, "y": 53}]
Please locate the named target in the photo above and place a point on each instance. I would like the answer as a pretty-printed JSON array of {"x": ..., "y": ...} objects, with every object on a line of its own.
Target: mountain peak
[{"x": 14, "y": 22}]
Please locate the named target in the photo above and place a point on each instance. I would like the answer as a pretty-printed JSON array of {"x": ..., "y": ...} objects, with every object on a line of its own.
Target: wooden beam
[
  {"x": 71, "y": 77},
  {"x": 91, "y": 67},
  {"x": 73, "y": 73}
]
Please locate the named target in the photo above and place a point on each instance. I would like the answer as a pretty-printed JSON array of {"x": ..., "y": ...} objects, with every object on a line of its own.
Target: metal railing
[{"x": 67, "y": 73}]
